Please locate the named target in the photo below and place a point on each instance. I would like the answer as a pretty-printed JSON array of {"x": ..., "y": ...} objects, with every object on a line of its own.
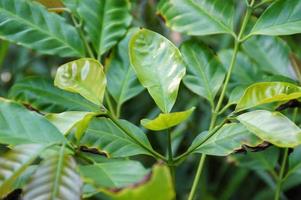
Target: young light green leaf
[
  {"x": 27, "y": 23},
  {"x": 230, "y": 138},
  {"x": 113, "y": 174},
  {"x": 21, "y": 126},
  {"x": 122, "y": 81},
  {"x": 205, "y": 73},
  {"x": 104, "y": 136},
  {"x": 272, "y": 127},
  {"x": 67, "y": 121},
  {"x": 271, "y": 54},
  {"x": 55, "y": 178},
  {"x": 14, "y": 163},
  {"x": 158, "y": 65},
  {"x": 281, "y": 18},
  {"x": 267, "y": 92},
  {"x": 84, "y": 76},
  {"x": 42, "y": 95},
  {"x": 195, "y": 17},
  {"x": 159, "y": 186},
  {"x": 166, "y": 120},
  {"x": 106, "y": 21}
]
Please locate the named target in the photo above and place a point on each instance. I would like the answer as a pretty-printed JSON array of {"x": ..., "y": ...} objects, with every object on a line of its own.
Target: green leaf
[
  {"x": 281, "y": 18},
  {"x": 294, "y": 163},
  {"x": 267, "y": 92},
  {"x": 271, "y": 54},
  {"x": 20, "y": 126},
  {"x": 106, "y": 137},
  {"x": 166, "y": 120},
  {"x": 106, "y": 21},
  {"x": 122, "y": 81},
  {"x": 28, "y": 24},
  {"x": 84, "y": 76},
  {"x": 272, "y": 127},
  {"x": 14, "y": 163},
  {"x": 230, "y": 138},
  {"x": 113, "y": 174},
  {"x": 158, "y": 65},
  {"x": 195, "y": 17},
  {"x": 55, "y": 178},
  {"x": 205, "y": 73},
  {"x": 67, "y": 121},
  {"x": 159, "y": 187},
  {"x": 42, "y": 95}
]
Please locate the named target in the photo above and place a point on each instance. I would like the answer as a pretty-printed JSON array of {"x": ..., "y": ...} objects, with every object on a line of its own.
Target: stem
[
  {"x": 197, "y": 177},
  {"x": 150, "y": 150},
  {"x": 261, "y": 3},
  {"x": 221, "y": 98},
  {"x": 280, "y": 177},
  {"x": 110, "y": 105},
  {"x": 170, "y": 158}
]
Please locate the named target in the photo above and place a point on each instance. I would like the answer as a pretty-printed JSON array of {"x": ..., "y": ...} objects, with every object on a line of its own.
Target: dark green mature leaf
[
  {"x": 106, "y": 21},
  {"x": 271, "y": 54},
  {"x": 20, "y": 126},
  {"x": 14, "y": 162},
  {"x": 294, "y": 163},
  {"x": 272, "y": 127},
  {"x": 105, "y": 136},
  {"x": 67, "y": 121},
  {"x": 282, "y": 18},
  {"x": 85, "y": 77},
  {"x": 166, "y": 120},
  {"x": 122, "y": 81},
  {"x": 158, "y": 65},
  {"x": 28, "y": 24},
  {"x": 205, "y": 73},
  {"x": 198, "y": 17},
  {"x": 56, "y": 178},
  {"x": 113, "y": 174},
  {"x": 40, "y": 94},
  {"x": 267, "y": 92},
  {"x": 230, "y": 138},
  {"x": 159, "y": 187}
]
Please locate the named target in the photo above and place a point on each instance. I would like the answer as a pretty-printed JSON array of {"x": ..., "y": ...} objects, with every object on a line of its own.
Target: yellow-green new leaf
[
  {"x": 158, "y": 187},
  {"x": 281, "y": 18},
  {"x": 166, "y": 120},
  {"x": 159, "y": 66},
  {"x": 55, "y": 178},
  {"x": 198, "y": 17},
  {"x": 66, "y": 121},
  {"x": 267, "y": 92},
  {"x": 14, "y": 162},
  {"x": 84, "y": 76},
  {"x": 272, "y": 127}
]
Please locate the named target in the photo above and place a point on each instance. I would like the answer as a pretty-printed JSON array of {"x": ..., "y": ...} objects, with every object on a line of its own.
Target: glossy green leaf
[
  {"x": 282, "y": 18},
  {"x": 272, "y": 127},
  {"x": 271, "y": 54},
  {"x": 27, "y": 23},
  {"x": 198, "y": 17},
  {"x": 159, "y": 186},
  {"x": 166, "y": 120},
  {"x": 106, "y": 137},
  {"x": 20, "y": 126},
  {"x": 267, "y": 92},
  {"x": 106, "y": 21},
  {"x": 122, "y": 81},
  {"x": 67, "y": 121},
  {"x": 294, "y": 164},
  {"x": 42, "y": 95},
  {"x": 205, "y": 74},
  {"x": 230, "y": 138},
  {"x": 84, "y": 76},
  {"x": 14, "y": 162},
  {"x": 113, "y": 174},
  {"x": 55, "y": 178},
  {"x": 158, "y": 65}
]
